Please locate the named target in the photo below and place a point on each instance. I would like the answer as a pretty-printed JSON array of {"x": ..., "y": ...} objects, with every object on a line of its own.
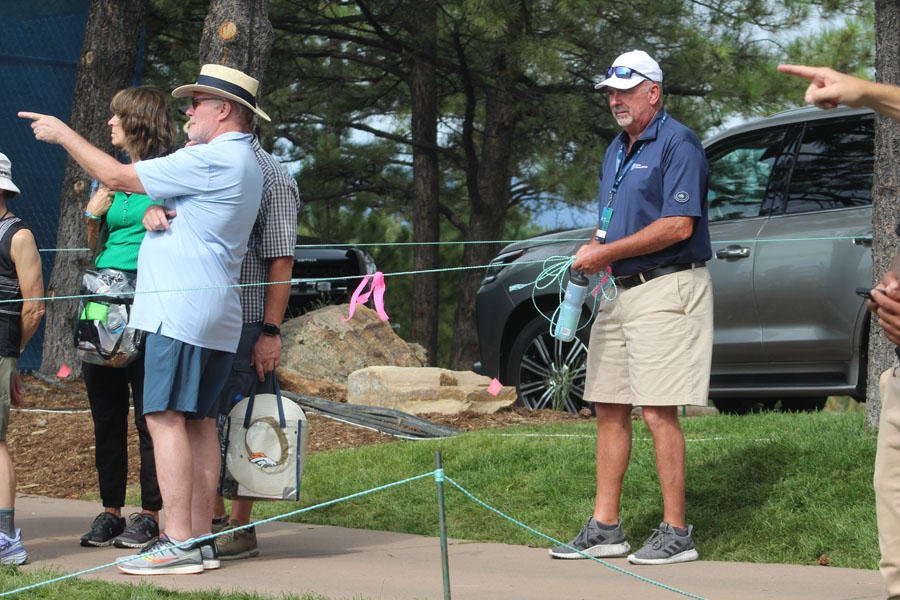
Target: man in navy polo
[{"x": 651, "y": 346}]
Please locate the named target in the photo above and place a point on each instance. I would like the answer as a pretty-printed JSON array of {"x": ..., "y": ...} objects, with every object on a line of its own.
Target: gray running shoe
[
  {"x": 104, "y": 530},
  {"x": 237, "y": 543},
  {"x": 665, "y": 546},
  {"x": 141, "y": 530},
  {"x": 169, "y": 560},
  {"x": 11, "y": 550},
  {"x": 596, "y": 542}
]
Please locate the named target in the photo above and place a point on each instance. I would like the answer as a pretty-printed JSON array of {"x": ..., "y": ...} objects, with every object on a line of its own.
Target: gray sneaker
[
  {"x": 665, "y": 546},
  {"x": 169, "y": 560},
  {"x": 596, "y": 542}
]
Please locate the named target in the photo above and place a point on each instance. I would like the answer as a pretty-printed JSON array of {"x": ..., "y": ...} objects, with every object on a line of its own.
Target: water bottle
[{"x": 570, "y": 309}]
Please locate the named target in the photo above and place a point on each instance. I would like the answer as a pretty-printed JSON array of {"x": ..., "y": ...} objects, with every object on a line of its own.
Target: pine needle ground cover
[{"x": 773, "y": 487}]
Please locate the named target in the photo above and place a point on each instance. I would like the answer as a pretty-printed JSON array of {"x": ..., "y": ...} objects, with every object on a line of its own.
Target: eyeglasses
[{"x": 624, "y": 73}]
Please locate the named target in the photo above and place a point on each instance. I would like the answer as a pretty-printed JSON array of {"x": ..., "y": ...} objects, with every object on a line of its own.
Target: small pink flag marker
[
  {"x": 64, "y": 372},
  {"x": 495, "y": 387},
  {"x": 360, "y": 298}
]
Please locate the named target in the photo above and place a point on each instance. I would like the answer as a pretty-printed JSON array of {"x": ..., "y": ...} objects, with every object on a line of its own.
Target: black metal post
[{"x": 439, "y": 479}]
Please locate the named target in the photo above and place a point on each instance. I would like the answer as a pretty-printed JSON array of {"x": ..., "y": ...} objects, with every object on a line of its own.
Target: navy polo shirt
[{"x": 668, "y": 178}]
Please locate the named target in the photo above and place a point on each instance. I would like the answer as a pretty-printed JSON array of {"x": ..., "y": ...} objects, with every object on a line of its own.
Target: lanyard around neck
[{"x": 622, "y": 172}]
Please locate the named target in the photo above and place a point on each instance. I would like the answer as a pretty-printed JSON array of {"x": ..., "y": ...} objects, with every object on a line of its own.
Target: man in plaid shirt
[{"x": 270, "y": 257}]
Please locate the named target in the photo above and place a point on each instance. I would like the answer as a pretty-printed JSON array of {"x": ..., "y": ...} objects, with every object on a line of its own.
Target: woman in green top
[{"x": 142, "y": 126}]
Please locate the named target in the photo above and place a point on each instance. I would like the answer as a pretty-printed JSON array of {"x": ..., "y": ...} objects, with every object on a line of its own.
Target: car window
[
  {"x": 739, "y": 174},
  {"x": 834, "y": 166}
]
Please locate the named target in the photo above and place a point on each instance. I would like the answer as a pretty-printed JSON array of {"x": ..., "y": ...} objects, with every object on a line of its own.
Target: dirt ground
[{"x": 51, "y": 436}]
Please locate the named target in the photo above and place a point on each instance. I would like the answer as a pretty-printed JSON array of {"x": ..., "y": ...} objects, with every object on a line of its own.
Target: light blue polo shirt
[
  {"x": 216, "y": 190},
  {"x": 668, "y": 178}
]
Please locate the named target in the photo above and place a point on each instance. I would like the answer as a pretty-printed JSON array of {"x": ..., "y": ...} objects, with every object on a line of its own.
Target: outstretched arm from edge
[
  {"x": 829, "y": 88},
  {"x": 98, "y": 163}
]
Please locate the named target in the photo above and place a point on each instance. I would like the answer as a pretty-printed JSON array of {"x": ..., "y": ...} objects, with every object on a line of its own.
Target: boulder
[
  {"x": 318, "y": 347},
  {"x": 418, "y": 390}
]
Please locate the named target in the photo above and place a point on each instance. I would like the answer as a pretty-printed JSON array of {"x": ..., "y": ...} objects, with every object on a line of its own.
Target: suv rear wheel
[{"x": 547, "y": 373}]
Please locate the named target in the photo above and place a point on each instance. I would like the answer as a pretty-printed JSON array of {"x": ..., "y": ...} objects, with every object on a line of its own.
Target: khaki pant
[
  {"x": 8, "y": 370},
  {"x": 652, "y": 345},
  {"x": 887, "y": 481}
]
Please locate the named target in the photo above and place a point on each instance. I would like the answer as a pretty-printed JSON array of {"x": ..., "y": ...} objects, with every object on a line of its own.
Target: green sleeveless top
[{"x": 126, "y": 231}]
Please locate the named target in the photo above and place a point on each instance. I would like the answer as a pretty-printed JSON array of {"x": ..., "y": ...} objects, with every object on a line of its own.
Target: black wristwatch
[{"x": 270, "y": 329}]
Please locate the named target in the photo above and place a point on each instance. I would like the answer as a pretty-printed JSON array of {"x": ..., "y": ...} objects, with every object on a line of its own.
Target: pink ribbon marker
[
  {"x": 495, "y": 387},
  {"x": 64, "y": 372},
  {"x": 360, "y": 298},
  {"x": 602, "y": 281}
]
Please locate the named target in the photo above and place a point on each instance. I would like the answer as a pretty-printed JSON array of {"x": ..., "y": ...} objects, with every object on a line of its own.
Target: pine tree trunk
[
  {"x": 238, "y": 34},
  {"x": 106, "y": 65},
  {"x": 885, "y": 192},
  {"x": 488, "y": 209},
  {"x": 423, "y": 92}
]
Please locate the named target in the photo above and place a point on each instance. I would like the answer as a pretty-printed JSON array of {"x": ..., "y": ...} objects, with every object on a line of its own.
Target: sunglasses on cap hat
[{"x": 624, "y": 73}]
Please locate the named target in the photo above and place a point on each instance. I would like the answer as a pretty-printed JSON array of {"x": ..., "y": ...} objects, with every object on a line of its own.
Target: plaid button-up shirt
[{"x": 274, "y": 234}]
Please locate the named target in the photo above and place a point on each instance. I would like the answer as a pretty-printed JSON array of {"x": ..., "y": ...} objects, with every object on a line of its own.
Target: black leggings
[{"x": 107, "y": 389}]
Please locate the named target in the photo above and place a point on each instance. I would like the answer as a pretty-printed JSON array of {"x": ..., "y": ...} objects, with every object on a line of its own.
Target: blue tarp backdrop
[{"x": 40, "y": 42}]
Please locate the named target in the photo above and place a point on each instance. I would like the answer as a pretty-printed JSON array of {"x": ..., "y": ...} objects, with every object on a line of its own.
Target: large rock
[
  {"x": 319, "y": 347},
  {"x": 425, "y": 390}
]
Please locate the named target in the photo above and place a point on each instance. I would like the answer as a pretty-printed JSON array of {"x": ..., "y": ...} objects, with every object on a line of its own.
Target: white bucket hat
[
  {"x": 630, "y": 69},
  {"x": 225, "y": 82},
  {"x": 6, "y": 175}
]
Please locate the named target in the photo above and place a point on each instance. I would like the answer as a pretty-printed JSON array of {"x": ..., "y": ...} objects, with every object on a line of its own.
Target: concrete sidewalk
[{"x": 361, "y": 564}]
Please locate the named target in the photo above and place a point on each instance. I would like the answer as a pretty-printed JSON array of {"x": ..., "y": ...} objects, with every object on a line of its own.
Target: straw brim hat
[{"x": 227, "y": 83}]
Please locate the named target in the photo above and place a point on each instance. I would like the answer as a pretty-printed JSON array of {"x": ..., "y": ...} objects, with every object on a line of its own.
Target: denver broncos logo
[{"x": 261, "y": 460}]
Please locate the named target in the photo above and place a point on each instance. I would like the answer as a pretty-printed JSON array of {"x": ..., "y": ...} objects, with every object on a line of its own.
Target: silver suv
[{"x": 790, "y": 219}]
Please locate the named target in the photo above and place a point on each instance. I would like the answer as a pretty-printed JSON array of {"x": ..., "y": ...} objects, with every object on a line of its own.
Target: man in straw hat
[
  {"x": 186, "y": 299},
  {"x": 20, "y": 278}
]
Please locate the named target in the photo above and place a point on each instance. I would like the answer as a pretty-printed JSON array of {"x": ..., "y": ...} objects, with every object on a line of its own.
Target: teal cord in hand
[{"x": 553, "y": 273}]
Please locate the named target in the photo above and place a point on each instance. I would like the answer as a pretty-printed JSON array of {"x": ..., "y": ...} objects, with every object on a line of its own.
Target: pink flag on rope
[
  {"x": 64, "y": 372},
  {"x": 602, "y": 281},
  {"x": 359, "y": 298},
  {"x": 495, "y": 387}
]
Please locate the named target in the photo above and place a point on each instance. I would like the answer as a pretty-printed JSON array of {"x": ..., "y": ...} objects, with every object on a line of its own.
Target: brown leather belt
[{"x": 630, "y": 281}]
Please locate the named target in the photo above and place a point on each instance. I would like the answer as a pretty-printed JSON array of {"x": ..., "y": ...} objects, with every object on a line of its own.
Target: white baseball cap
[
  {"x": 630, "y": 69},
  {"x": 6, "y": 175}
]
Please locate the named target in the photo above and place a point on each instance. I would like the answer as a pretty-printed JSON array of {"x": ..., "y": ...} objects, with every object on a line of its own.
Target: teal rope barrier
[
  {"x": 532, "y": 240},
  {"x": 238, "y": 285},
  {"x": 439, "y": 477},
  {"x": 547, "y": 537},
  {"x": 215, "y": 535},
  {"x": 400, "y": 273}
]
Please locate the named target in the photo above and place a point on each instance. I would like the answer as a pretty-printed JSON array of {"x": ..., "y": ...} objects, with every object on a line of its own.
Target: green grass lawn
[
  {"x": 774, "y": 487},
  {"x": 777, "y": 488}
]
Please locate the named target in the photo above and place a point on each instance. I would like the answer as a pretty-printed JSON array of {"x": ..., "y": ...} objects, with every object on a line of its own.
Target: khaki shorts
[
  {"x": 8, "y": 369},
  {"x": 652, "y": 345}
]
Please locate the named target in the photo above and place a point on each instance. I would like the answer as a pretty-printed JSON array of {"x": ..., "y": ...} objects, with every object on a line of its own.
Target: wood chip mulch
[{"x": 51, "y": 436}]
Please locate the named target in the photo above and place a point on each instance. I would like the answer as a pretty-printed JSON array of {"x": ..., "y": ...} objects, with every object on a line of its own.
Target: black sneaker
[
  {"x": 141, "y": 529},
  {"x": 665, "y": 547},
  {"x": 104, "y": 530},
  {"x": 594, "y": 541}
]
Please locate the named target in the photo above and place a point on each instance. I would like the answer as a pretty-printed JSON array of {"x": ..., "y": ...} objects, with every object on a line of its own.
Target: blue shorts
[
  {"x": 183, "y": 377},
  {"x": 243, "y": 375}
]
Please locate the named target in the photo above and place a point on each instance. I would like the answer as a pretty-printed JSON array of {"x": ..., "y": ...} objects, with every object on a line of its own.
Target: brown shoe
[{"x": 237, "y": 543}]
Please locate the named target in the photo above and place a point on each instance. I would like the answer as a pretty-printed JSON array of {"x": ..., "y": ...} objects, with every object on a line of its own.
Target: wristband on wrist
[
  {"x": 91, "y": 215},
  {"x": 270, "y": 329}
]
